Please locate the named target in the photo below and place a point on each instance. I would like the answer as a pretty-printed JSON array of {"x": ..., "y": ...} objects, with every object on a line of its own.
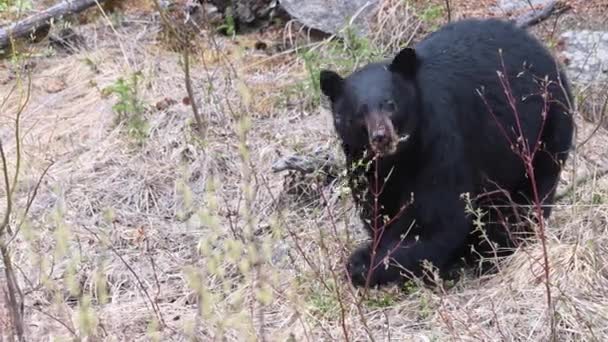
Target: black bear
[{"x": 458, "y": 114}]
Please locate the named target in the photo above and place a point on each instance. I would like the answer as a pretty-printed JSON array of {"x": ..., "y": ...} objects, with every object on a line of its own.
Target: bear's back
[{"x": 469, "y": 49}]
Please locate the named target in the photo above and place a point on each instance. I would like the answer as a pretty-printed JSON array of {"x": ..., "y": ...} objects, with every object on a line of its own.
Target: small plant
[
  {"x": 344, "y": 55},
  {"x": 359, "y": 48},
  {"x": 116, "y": 18},
  {"x": 229, "y": 26},
  {"x": 381, "y": 300},
  {"x": 409, "y": 287},
  {"x": 323, "y": 304},
  {"x": 129, "y": 107},
  {"x": 311, "y": 63},
  {"x": 426, "y": 308}
]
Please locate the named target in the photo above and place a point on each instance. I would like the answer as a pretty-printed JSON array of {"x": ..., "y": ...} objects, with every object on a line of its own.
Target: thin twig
[
  {"x": 522, "y": 148},
  {"x": 185, "y": 46},
  {"x": 14, "y": 291},
  {"x": 30, "y": 201},
  {"x": 68, "y": 328},
  {"x": 15, "y": 306},
  {"x": 132, "y": 271},
  {"x": 200, "y": 125},
  {"x": 331, "y": 269}
]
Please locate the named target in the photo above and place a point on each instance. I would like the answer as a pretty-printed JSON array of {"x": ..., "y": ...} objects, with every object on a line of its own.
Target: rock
[
  {"x": 518, "y": 5},
  {"x": 248, "y": 13},
  {"x": 280, "y": 255},
  {"x": 331, "y": 16},
  {"x": 586, "y": 56}
]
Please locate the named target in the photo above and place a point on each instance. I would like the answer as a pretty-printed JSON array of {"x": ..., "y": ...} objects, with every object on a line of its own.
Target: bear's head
[{"x": 376, "y": 107}]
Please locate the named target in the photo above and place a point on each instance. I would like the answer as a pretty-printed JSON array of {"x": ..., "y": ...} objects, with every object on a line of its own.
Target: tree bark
[{"x": 40, "y": 21}]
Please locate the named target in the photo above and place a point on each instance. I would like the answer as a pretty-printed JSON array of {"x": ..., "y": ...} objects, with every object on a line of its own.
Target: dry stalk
[
  {"x": 140, "y": 283},
  {"x": 14, "y": 295},
  {"x": 333, "y": 273},
  {"x": 526, "y": 153},
  {"x": 185, "y": 46}
]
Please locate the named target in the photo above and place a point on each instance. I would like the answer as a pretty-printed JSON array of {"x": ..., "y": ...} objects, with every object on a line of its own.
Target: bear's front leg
[
  {"x": 443, "y": 233},
  {"x": 358, "y": 266},
  {"x": 382, "y": 272}
]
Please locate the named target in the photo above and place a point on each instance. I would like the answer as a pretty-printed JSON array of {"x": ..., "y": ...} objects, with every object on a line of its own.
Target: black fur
[{"x": 455, "y": 145}]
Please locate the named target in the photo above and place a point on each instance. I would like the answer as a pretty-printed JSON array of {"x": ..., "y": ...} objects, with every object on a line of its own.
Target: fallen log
[
  {"x": 41, "y": 21},
  {"x": 534, "y": 16},
  {"x": 320, "y": 158},
  {"x": 581, "y": 180}
]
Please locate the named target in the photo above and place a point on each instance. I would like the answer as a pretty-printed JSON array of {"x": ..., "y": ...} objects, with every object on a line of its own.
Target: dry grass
[{"x": 124, "y": 236}]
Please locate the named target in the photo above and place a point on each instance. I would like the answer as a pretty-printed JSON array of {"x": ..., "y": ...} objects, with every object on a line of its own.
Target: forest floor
[{"x": 143, "y": 229}]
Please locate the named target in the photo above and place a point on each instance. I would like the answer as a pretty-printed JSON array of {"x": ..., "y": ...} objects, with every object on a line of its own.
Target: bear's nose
[{"x": 379, "y": 137}]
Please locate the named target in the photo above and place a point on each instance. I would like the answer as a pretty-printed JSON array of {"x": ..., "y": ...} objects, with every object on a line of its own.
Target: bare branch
[{"x": 7, "y": 186}]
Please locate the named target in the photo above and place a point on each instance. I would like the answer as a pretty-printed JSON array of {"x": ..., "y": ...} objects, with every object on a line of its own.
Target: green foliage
[
  {"x": 410, "y": 287},
  {"x": 360, "y": 49},
  {"x": 323, "y": 302},
  {"x": 128, "y": 106},
  {"x": 309, "y": 86},
  {"x": 87, "y": 318},
  {"x": 128, "y": 102},
  {"x": 381, "y": 300},
  {"x": 138, "y": 127},
  {"x": 426, "y": 308},
  {"x": 229, "y": 26},
  {"x": 117, "y": 18},
  {"x": 344, "y": 55},
  {"x": 432, "y": 15},
  {"x": 15, "y": 5}
]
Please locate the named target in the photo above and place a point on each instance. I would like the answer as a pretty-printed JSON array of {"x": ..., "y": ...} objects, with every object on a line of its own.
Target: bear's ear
[
  {"x": 331, "y": 84},
  {"x": 405, "y": 63}
]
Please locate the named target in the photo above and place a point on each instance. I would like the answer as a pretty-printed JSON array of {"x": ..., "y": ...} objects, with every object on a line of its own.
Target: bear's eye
[{"x": 390, "y": 106}]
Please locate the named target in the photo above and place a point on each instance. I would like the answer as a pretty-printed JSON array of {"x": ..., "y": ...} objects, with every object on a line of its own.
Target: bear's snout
[
  {"x": 382, "y": 137},
  {"x": 379, "y": 137}
]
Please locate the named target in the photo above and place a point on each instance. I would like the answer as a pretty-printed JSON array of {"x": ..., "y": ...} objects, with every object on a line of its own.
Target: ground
[{"x": 143, "y": 230}]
